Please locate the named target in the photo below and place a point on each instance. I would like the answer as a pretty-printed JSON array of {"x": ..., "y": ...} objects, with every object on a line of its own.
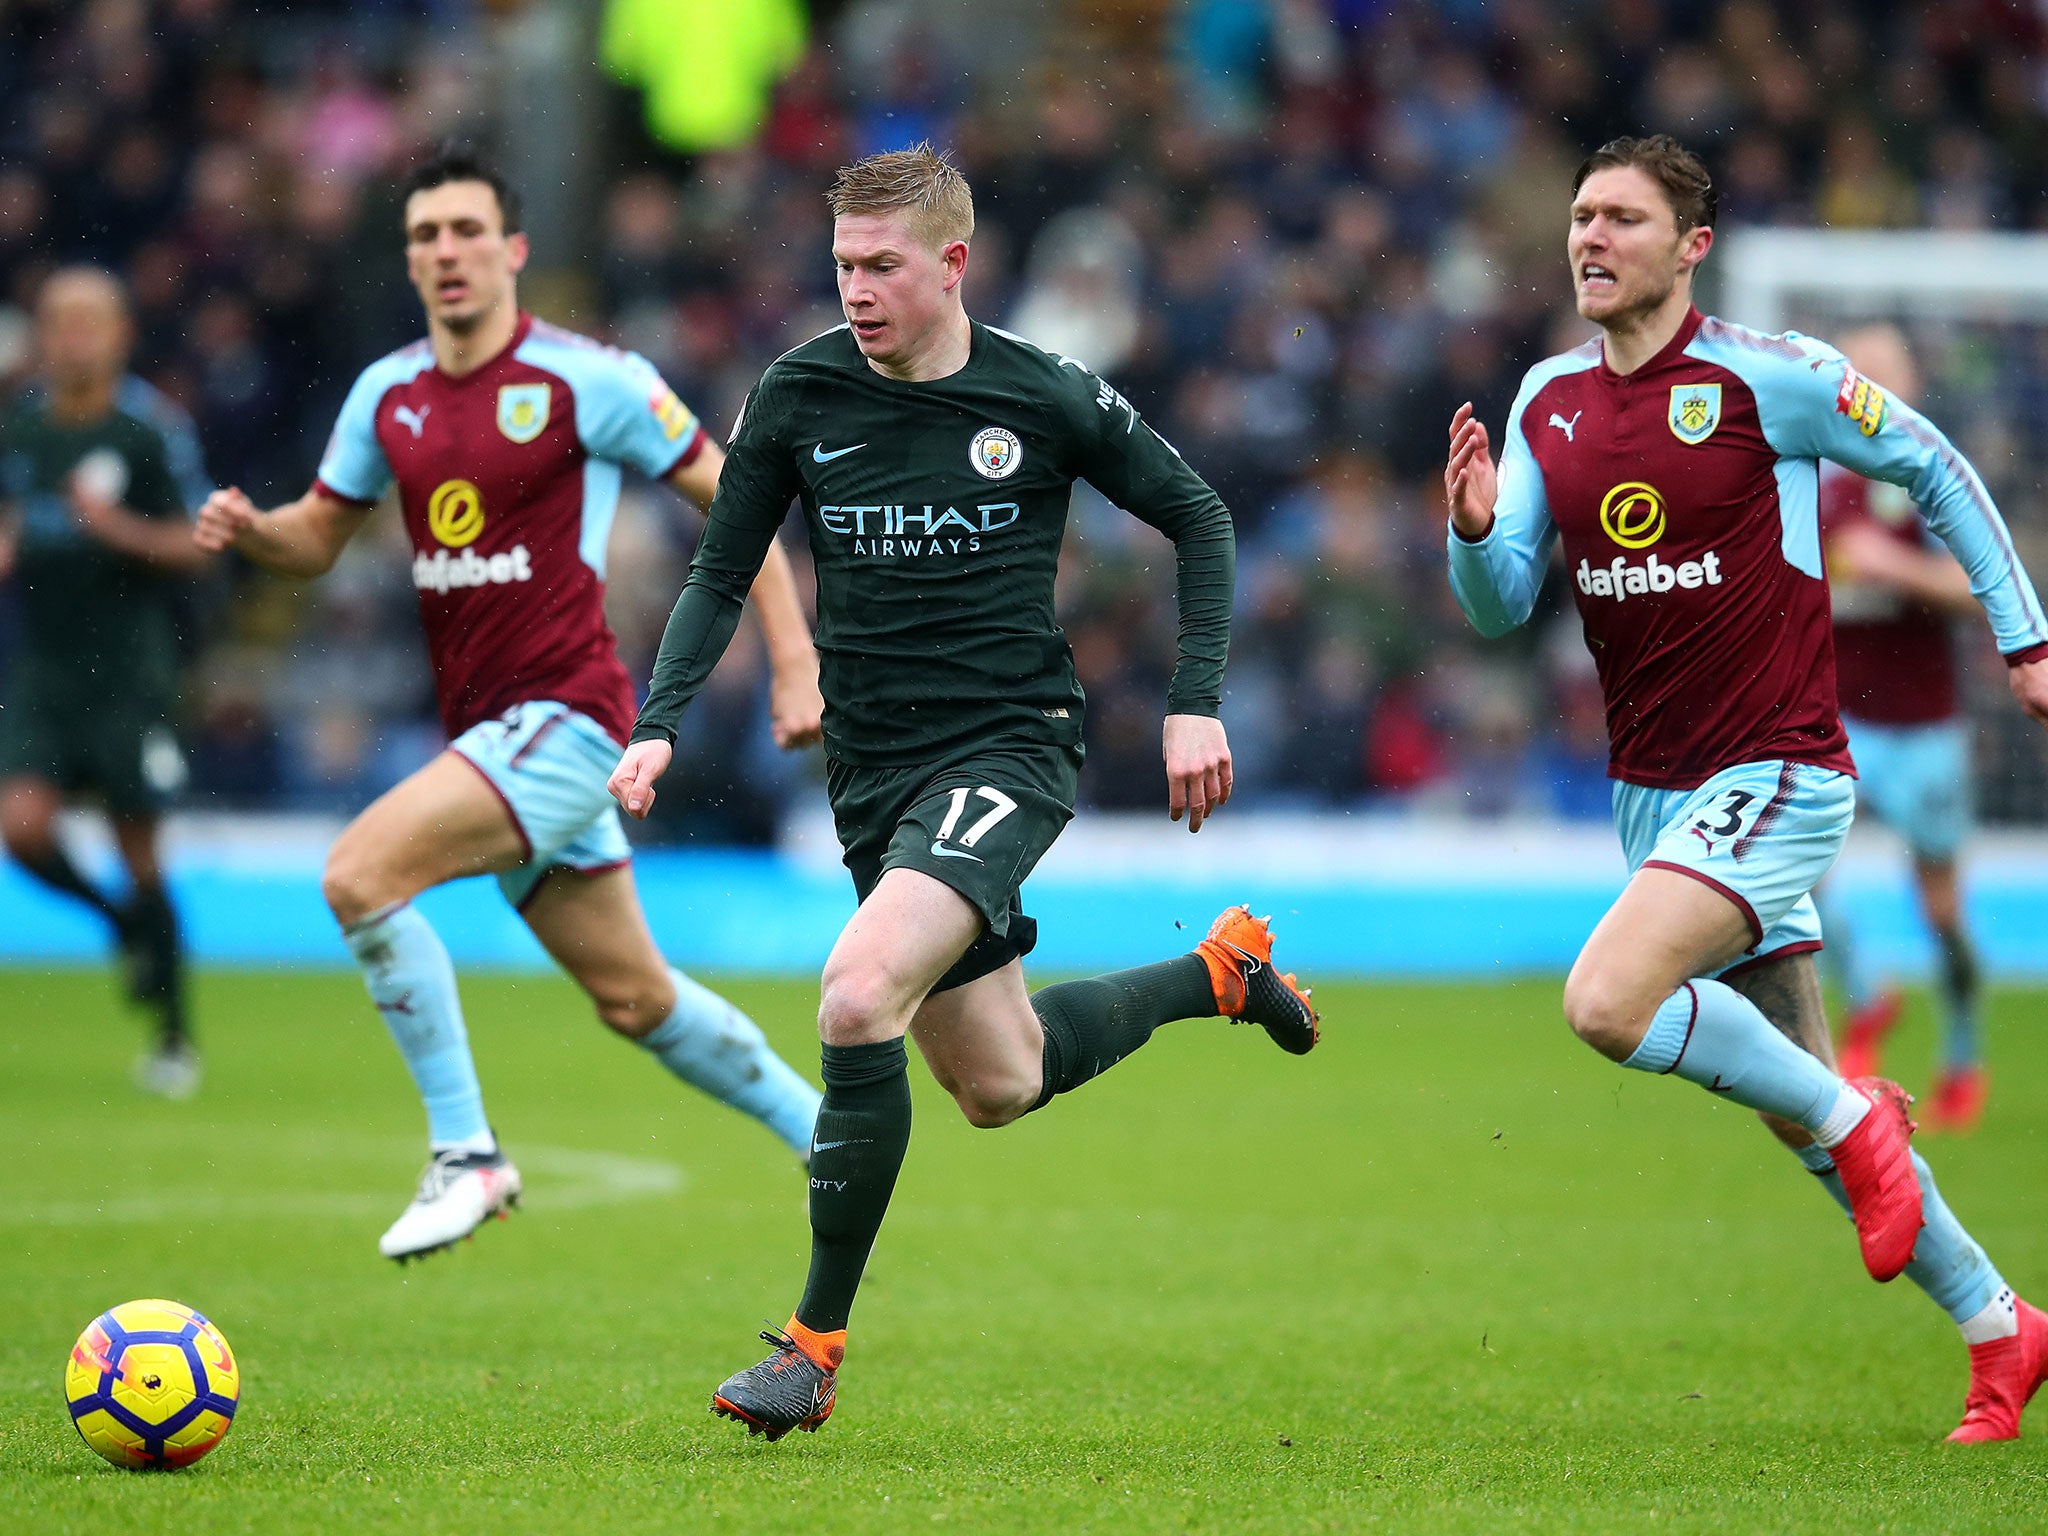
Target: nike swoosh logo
[
  {"x": 941, "y": 851},
  {"x": 820, "y": 456},
  {"x": 851, "y": 1141},
  {"x": 1717, "y": 1086}
]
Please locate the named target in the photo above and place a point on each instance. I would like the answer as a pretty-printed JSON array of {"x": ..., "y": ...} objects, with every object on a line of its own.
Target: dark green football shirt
[
  {"x": 105, "y": 618},
  {"x": 936, "y": 512}
]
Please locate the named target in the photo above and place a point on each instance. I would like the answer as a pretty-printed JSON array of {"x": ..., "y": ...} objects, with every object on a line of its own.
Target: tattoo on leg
[{"x": 1787, "y": 992}]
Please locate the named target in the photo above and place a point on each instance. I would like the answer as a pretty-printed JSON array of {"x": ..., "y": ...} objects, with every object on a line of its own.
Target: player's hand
[
  {"x": 632, "y": 782},
  {"x": 1197, "y": 767},
  {"x": 2030, "y": 686},
  {"x": 796, "y": 710},
  {"x": 224, "y": 517},
  {"x": 1470, "y": 484}
]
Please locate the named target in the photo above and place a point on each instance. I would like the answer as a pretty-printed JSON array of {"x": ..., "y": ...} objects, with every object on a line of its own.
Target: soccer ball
[{"x": 152, "y": 1384}]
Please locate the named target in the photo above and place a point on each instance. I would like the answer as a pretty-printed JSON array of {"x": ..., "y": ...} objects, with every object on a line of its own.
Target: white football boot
[{"x": 458, "y": 1193}]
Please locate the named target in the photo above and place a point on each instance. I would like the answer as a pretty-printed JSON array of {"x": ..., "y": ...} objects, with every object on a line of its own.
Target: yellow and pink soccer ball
[{"x": 152, "y": 1384}]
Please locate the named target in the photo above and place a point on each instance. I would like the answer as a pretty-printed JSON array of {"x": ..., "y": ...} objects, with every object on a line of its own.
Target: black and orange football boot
[
  {"x": 1239, "y": 954},
  {"x": 794, "y": 1388}
]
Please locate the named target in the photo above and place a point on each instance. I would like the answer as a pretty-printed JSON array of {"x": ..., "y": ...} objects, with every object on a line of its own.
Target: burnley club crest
[
  {"x": 1695, "y": 412},
  {"x": 523, "y": 411}
]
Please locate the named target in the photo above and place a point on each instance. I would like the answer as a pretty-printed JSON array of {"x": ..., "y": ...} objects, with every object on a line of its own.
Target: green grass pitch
[{"x": 1450, "y": 1273}]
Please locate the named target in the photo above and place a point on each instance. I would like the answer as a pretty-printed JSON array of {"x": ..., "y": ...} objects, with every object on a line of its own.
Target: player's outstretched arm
[
  {"x": 1862, "y": 553},
  {"x": 796, "y": 710},
  {"x": 632, "y": 782},
  {"x": 159, "y": 541},
  {"x": 1198, "y": 779},
  {"x": 300, "y": 538},
  {"x": 1471, "y": 484}
]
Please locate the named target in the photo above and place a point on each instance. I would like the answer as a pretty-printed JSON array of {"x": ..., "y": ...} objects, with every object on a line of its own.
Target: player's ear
[
  {"x": 953, "y": 263},
  {"x": 517, "y": 249},
  {"x": 1698, "y": 241}
]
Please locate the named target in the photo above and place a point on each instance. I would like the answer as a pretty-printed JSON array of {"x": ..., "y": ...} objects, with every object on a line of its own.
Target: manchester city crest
[
  {"x": 995, "y": 453},
  {"x": 523, "y": 410},
  {"x": 1695, "y": 412}
]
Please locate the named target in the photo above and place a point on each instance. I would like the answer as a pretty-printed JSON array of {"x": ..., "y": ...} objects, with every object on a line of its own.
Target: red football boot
[
  {"x": 1864, "y": 1032},
  {"x": 1957, "y": 1102},
  {"x": 1876, "y": 1164},
  {"x": 2004, "y": 1374}
]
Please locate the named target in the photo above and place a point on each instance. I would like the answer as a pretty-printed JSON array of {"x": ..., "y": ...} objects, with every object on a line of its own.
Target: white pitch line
[{"x": 568, "y": 1179}]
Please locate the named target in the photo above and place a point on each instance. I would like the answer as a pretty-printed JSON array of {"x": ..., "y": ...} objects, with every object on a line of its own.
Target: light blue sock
[
  {"x": 412, "y": 982},
  {"x": 1710, "y": 1034},
  {"x": 1842, "y": 961},
  {"x": 1960, "y": 1046},
  {"x": 711, "y": 1045},
  {"x": 1947, "y": 1263}
]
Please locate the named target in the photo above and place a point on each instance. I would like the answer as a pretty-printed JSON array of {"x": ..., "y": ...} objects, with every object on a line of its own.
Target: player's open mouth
[
  {"x": 450, "y": 289},
  {"x": 868, "y": 330},
  {"x": 1595, "y": 276}
]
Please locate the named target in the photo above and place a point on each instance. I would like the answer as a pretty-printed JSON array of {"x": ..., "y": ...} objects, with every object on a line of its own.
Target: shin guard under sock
[
  {"x": 863, "y": 1132},
  {"x": 1947, "y": 1262},
  {"x": 1959, "y": 1048},
  {"x": 711, "y": 1045},
  {"x": 412, "y": 982},
  {"x": 159, "y": 966},
  {"x": 1710, "y": 1034},
  {"x": 1092, "y": 1025}
]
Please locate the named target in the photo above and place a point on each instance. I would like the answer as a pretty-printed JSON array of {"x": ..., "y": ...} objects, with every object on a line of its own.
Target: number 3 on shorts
[
  {"x": 1001, "y": 805},
  {"x": 1725, "y": 818}
]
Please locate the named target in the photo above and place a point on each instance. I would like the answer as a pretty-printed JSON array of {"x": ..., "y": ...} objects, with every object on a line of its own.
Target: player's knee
[
  {"x": 1606, "y": 1015},
  {"x": 856, "y": 1005},
  {"x": 26, "y": 826},
  {"x": 351, "y": 884}
]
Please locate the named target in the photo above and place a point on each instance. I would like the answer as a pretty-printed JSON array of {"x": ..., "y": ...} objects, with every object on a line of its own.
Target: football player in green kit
[
  {"x": 99, "y": 475},
  {"x": 934, "y": 458}
]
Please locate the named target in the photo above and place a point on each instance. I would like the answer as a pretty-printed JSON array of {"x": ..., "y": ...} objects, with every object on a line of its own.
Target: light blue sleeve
[
  {"x": 1496, "y": 579},
  {"x": 354, "y": 467},
  {"x": 625, "y": 411},
  {"x": 1813, "y": 405},
  {"x": 180, "y": 437}
]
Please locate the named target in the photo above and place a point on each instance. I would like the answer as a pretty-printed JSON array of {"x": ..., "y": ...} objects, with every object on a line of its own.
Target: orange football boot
[{"x": 1239, "y": 955}]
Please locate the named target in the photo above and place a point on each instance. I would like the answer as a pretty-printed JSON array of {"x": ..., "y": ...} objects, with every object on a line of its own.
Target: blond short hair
[{"x": 918, "y": 180}]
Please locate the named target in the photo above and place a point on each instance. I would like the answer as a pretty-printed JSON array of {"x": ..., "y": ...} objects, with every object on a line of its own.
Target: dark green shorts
[
  {"x": 119, "y": 749},
  {"x": 979, "y": 821}
]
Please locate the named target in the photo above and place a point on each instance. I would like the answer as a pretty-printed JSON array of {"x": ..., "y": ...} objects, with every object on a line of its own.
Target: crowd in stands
[{"x": 1296, "y": 233}]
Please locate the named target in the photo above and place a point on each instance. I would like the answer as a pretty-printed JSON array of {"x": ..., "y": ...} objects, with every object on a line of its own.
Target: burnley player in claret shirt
[
  {"x": 1897, "y": 596},
  {"x": 1677, "y": 460},
  {"x": 506, "y": 439}
]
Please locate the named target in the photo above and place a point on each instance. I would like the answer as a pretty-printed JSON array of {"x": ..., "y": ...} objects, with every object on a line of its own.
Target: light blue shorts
[
  {"x": 549, "y": 764},
  {"x": 1916, "y": 780},
  {"x": 1762, "y": 834}
]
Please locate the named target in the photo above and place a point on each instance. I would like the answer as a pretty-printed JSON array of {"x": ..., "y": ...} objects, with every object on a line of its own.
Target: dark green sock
[
  {"x": 1092, "y": 1025},
  {"x": 856, "y": 1152},
  {"x": 55, "y": 869},
  {"x": 158, "y": 974}
]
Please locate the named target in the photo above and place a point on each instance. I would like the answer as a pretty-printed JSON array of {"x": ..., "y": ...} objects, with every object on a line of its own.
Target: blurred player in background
[
  {"x": 935, "y": 459},
  {"x": 1896, "y": 592},
  {"x": 506, "y": 438},
  {"x": 100, "y": 475},
  {"x": 1677, "y": 457}
]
